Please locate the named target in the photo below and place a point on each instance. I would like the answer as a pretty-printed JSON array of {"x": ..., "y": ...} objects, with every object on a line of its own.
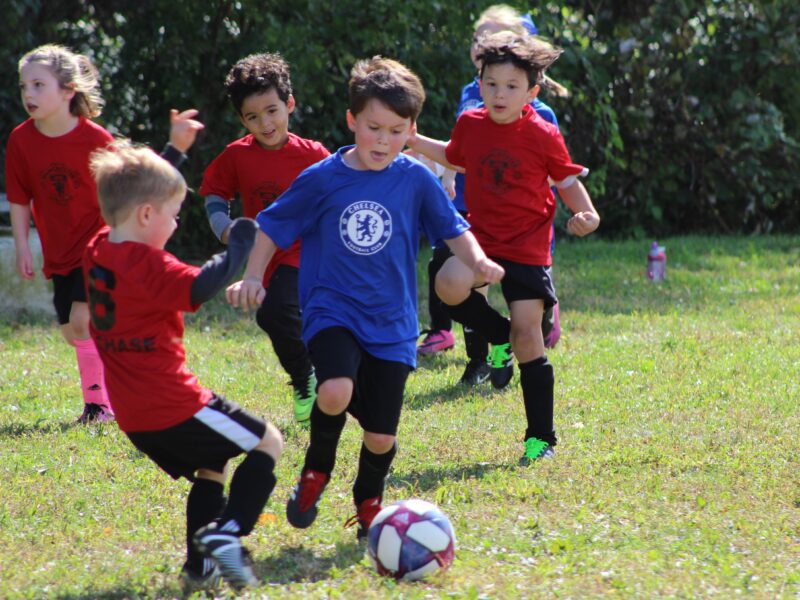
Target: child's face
[
  {"x": 505, "y": 92},
  {"x": 266, "y": 116},
  {"x": 41, "y": 94},
  {"x": 162, "y": 221},
  {"x": 380, "y": 135}
]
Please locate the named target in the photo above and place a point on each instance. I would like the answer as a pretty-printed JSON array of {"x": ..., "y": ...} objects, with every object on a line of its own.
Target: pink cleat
[
  {"x": 436, "y": 341},
  {"x": 96, "y": 413},
  {"x": 551, "y": 327}
]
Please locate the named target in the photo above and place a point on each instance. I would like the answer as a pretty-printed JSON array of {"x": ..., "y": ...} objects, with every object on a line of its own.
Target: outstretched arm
[
  {"x": 221, "y": 267},
  {"x": 469, "y": 252},
  {"x": 584, "y": 218},
  {"x": 249, "y": 292},
  {"x": 433, "y": 149}
]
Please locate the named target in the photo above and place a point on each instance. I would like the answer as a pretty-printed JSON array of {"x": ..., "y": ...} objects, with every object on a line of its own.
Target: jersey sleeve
[
  {"x": 560, "y": 168},
  {"x": 168, "y": 282},
  {"x": 18, "y": 189},
  {"x": 294, "y": 212},
  {"x": 438, "y": 217},
  {"x": 455, "y": 147},
  {"x": 220, "y": 178}
]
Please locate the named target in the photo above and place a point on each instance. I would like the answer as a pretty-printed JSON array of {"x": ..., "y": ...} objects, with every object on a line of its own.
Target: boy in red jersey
[
  {"x": 510, "y": 155},
  {"x": 260, "y": 167},
  {"x": 137, "y": 293}
]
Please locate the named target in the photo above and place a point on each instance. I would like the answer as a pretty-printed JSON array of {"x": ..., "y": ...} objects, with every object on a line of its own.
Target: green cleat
[
  {"x": 536, "y": 449},
  {"x": 501, "y": 361},
  {"x": 305, "y": 395}
]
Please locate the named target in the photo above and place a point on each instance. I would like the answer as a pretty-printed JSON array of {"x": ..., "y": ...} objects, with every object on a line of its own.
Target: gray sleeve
[
  {"x": 217, "y": 213},
  {"x": 219, "y": 269},
  {"x": 172, "y": 155}
]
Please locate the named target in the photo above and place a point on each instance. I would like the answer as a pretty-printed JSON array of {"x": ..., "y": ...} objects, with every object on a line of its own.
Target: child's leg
[
  {"x": 454, "y": 285},
  {"x": 377, "y": 452},
  {"x": 536, "y": 372},
  {"x": 205, "y": 503},
  {"x": 440, "y": 319},
  {"x": 90, "y": 366},
  {"x": 328, "y": 418}
]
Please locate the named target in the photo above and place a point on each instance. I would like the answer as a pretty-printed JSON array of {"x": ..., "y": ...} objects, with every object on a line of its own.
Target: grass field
[{"x": 677, "y": 473}]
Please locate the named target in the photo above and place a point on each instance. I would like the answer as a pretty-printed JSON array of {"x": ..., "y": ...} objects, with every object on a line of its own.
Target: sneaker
[
  {"x": 365, "y": 513},
  {"x": 192, "y": 582},
  {"x": 305, "y": 394},
  {"x": 501, "y": 361},
  {"x": 436, "y": 341},
  {"x": 551, "y": 327},
  {"x": 225, "y": 548},
  {"x": 301, "y": 509},
  {"x": 476, "y": 371},
  {"x": 536, "y": 449},
  {"x": 95, "y": 413}
]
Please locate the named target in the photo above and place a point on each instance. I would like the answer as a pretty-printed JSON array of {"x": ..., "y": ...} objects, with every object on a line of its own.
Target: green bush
[{"x": 686, "y": 112}]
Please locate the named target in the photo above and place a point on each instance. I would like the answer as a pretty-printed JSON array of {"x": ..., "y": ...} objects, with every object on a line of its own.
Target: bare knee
[
  {"x": 333, "y": 395},
  {"x": 271, "y": 443},
  {"x": 79, "y": 321},
  {"x": 379, "y": 443},
  {"x": 454, "y": 282},
  {"x": 212, "y": 475},
  {"x": 527, "y": 344}
]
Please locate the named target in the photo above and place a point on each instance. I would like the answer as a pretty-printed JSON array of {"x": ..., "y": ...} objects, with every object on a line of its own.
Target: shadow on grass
[
  {"x": 122, "y": 593},
  {"x": 432, "y": 478},
  {"x": 446, "y": 392},
  {"x": 41, "y": 427},
  {"x": 301, "y": 564}
]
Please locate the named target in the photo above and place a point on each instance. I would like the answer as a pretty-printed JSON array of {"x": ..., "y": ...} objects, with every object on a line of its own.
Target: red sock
[{"x": 91, "y": 369}]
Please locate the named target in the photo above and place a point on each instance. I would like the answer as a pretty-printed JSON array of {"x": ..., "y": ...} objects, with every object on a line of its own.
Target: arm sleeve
[
  {"x": 221, "y": 267},
  {"x": 454, "y": 151},
  {"x": 438, "y": 217},
  {"x": 560, "y": 168},
  {"x": 295, "y": 211},
  {"x": 173, "y": 156},
  {"x": 217, "y": 213},
  {"x": 17, "y": 188}
]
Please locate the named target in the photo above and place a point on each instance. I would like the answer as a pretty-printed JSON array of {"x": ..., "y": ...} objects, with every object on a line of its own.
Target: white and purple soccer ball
[{"x": 408, "y": 540}]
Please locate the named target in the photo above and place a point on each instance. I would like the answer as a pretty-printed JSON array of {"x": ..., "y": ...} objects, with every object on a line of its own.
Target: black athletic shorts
[
  {"x": 378, "y": 384},
  {"x": 527, "y": 282},
  {"x": 67, "y": 289},
  {"x": 219, "y": 431}
]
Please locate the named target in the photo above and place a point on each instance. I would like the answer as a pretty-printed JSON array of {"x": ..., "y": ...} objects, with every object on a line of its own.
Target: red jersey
[
  {"x": 53, "y": 172},
  {"x": 137, "y": 296},
  {"x": 509, "y": 201},
  {"x": 259, "y": 176}
]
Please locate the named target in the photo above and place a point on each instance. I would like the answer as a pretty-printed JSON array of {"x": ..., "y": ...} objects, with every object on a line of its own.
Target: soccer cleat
[
  {"x": 225, "y": 548},
  {"x": 551, "y": 327},
  {"x": 501, "y": 361},
  {"x": 192, "y": 582},
  {"x": 536, "y": 449},
  {"x": 436, "y": 341},
  {"x": 95, "y": 413},
  {"x": 301, "y": 509},
  {"x": 305, "y": 394},
  {"x": 476, "y": 371},
  {"x": 365, "y": 513}
]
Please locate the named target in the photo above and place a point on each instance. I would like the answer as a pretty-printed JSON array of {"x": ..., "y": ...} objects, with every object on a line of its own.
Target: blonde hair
[
  {"x": 73, "y": 72},
  {"x": 128, "y": 175}
]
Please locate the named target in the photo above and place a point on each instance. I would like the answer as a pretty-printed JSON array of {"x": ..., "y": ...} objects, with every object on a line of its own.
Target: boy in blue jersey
[{"x": 359, "y": 214}]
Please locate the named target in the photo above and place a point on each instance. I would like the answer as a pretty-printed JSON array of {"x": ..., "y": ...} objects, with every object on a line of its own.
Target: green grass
[{"x": 677, "y": 473}]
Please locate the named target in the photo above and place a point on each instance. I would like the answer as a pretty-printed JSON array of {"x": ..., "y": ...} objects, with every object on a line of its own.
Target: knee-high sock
[
  {"x": 324, "y": 439},
  {"x": 205, "y": 503},
  {"x": 538, "y": 381},
  {"x": 372, "y": 471},
  {"x": 475, "y": 313},
  {"x": 90, "y": 368},
  {"x": 251, "y": 485},
  {"x": 476, "y": 345}
]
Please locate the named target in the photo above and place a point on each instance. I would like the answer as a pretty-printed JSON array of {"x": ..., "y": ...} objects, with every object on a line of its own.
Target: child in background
[
  {"x": 259, "y": 167},
  {"x": 137, "y": 294},
  {"x": 499, "y": 17},
  {"x": 359, "y": 214},
  {"x": 510, "y": 154},
  {"x": 47, "y": 177}
]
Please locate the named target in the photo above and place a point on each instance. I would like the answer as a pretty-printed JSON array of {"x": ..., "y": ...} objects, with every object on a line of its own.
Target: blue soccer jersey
[{"x": 360, "y": 233}]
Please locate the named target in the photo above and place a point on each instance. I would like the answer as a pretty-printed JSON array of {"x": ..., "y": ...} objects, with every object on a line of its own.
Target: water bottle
[{"x": 656, "y": 262}]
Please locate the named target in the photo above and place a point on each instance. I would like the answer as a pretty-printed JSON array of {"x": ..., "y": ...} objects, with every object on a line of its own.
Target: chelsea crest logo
[{"x": 365, "y": 227}]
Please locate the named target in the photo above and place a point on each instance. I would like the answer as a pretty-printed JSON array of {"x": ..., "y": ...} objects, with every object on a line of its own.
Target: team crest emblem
[{"x": 365, "y": 227}]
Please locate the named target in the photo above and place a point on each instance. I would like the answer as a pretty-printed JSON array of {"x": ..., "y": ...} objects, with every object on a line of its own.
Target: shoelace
[{"x": 365, "y": 515}]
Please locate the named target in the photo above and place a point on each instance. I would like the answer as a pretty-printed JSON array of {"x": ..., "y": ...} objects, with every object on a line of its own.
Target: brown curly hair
[{"x": 256, "y": 74}]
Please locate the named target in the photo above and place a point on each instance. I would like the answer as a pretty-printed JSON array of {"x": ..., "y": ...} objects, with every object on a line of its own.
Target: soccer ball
[{"x": 411, "y": 539}]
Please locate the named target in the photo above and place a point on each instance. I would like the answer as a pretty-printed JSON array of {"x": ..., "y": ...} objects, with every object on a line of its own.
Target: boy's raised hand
[
  {"x": 583, "y": 223},
  {"x": 183, "y": 128},
  {"x": 489, "y": 270},
  {"x": 245, "y": 294}
]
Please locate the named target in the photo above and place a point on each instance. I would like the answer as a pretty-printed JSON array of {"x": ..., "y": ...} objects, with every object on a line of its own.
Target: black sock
[
  {"x": 205, "y": 503},
  {"x": 475, "y": 313},
  {"x": 538, "y": 381},
  {"x": 372, "y": 471},
  {"x": 251, "y": 485},
  {"x": 476, "y": 345},
  {"x": 324, "y": 438}
]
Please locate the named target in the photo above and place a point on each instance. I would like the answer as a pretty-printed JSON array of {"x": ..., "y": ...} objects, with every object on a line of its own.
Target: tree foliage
[{"x": 687, "y": 112}]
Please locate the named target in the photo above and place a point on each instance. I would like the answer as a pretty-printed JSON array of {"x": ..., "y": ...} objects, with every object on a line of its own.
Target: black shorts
[
  {"x": 219, "y": 431},
  {"x": 527, "y": 282},
  {"x": 67, "y": 289},
  {"x": 378, "y": 384}
]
